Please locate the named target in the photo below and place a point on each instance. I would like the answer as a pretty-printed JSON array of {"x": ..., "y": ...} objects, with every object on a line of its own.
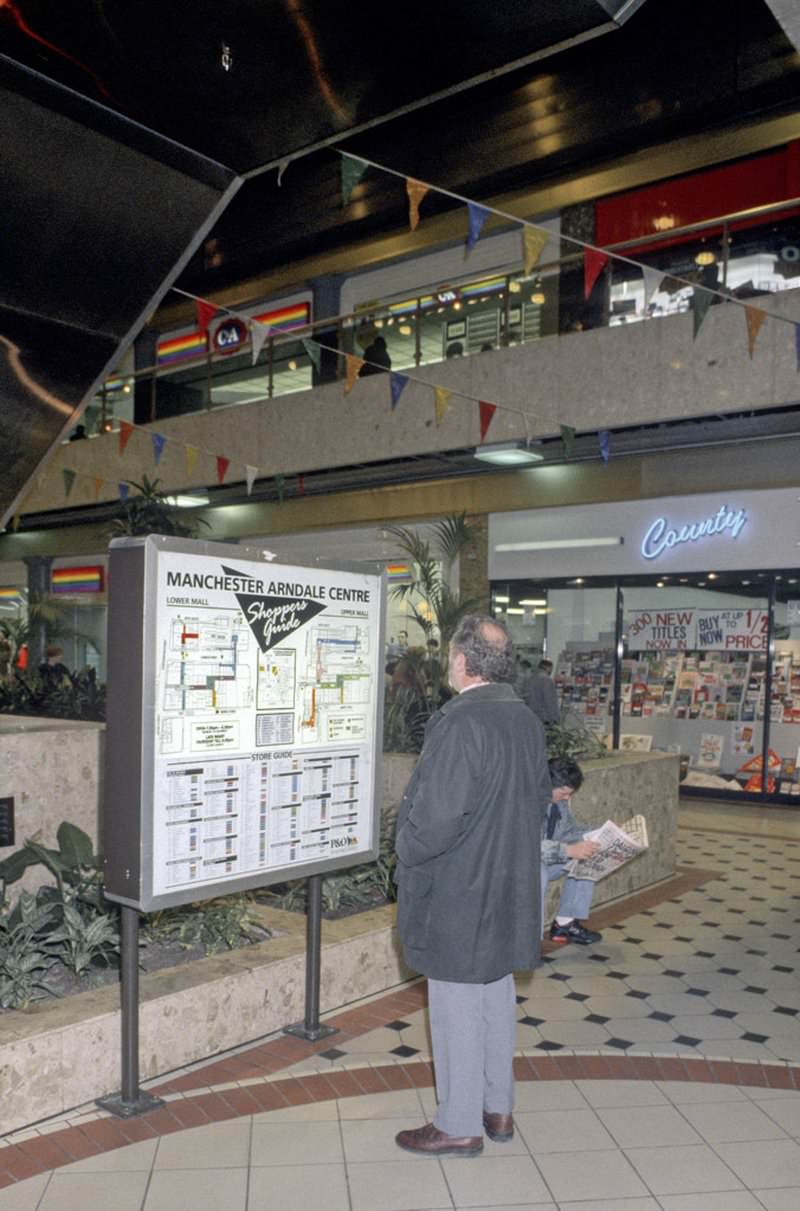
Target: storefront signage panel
[
  {"x": 689, "y": 630},
  {"x": 661, "y": 536},
  {"x": 259, "y": 756},
  {"x": 757, "y": 529}
]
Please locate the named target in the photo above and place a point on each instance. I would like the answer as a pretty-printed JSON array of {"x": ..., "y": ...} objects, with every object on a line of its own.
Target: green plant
[
  {"x": 77, "y": 696},
  {"x": 575, "y": 742},
  {"x": 85, "y": 937},
  {"x": 220, "y": 924},
  {"x": 150, "y": 512},
  {"x": 26, "y": 953}
]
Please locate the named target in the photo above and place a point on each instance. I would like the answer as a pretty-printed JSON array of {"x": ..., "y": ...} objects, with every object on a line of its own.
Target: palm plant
[
  {"x": 150, "y": 512},
  {"x": 434, "y": 604}
]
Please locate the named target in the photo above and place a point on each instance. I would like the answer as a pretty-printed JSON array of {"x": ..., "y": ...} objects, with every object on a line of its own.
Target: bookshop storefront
[{"x": 673, "y": 624}]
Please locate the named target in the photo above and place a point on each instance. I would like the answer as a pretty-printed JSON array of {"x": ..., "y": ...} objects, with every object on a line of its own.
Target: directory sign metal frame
[{"x": 244, "y": 722}]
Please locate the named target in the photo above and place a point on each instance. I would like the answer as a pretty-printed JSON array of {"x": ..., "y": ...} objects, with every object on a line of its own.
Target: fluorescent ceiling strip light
[{"x": 556, "y": 544}]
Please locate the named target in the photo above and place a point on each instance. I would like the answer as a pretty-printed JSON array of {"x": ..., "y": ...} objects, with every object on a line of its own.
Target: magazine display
[{"x": 618, "y": 844}]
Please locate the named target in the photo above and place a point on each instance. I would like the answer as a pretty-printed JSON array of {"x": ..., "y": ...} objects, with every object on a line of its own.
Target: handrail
[{"x": 351, "y": 320}]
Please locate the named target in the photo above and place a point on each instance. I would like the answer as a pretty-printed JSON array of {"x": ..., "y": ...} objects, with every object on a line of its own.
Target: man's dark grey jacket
[{"x": 468, "y": 840}]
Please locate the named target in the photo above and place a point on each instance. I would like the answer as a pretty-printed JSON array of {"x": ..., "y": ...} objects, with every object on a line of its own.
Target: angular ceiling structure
[{"x": 127, "y": 126}]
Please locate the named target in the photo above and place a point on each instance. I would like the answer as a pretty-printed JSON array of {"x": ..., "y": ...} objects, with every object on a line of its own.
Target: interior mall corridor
[{"x": 659, "y": 1069}]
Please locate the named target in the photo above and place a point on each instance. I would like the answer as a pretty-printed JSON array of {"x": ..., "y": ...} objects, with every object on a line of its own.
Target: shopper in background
[{"x": 540, "y": 693}]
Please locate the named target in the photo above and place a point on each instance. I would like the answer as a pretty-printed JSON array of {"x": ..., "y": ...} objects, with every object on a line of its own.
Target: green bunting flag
[
  {"x": 314, "y": 352},
  {"x": 568, "y": 438},
  {"x": 701, "y": 301},
  {"x": 352, "y": 172},
  {"x": 69, "y": 480}
]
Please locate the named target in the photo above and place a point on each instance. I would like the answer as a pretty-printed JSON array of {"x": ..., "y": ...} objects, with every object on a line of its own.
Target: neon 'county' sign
[{"x": 662, "y": 537}]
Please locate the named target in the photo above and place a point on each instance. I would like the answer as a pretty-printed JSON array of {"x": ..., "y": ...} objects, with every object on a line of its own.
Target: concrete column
[
  {"x": 326, "y": 301},
  {"x": 39, "y": 567}
]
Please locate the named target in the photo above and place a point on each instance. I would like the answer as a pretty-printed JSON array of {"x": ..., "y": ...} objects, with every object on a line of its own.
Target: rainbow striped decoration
[
  {"x": 78, "y": 580},
  {"x": 397, "y": 571},
  {"x": 195, "y": 344},
  {"x": 181, "y": 348},
  {"x": 10, "y": 593},
  {"x": 285, "y": 318}
]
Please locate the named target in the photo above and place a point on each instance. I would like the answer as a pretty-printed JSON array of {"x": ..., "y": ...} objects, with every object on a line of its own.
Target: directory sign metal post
[{"x": 244, "y": 720}]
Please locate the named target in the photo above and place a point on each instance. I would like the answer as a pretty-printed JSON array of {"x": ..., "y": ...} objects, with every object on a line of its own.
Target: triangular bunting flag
[
  {"x": 533, "y": 242},
  {"x": 652, "y": 279},
  {"x": 701, "y": 301},
  {"x": 279, "y": 482},
  {"x": 486, "y": 412},
  {"x": 222, "y": 467},
  {"x": 192, "y": 455},
  {"x": 314, "y": 352},
  {"x": 353, "y": 365},
  {"x": 98, "y": 486},
  {"x": 441, "y": 403},
  {"x": 250, "y": 474},
  {"x": 205, "y": 314},
  {"x": 476, "y": 216},
  {"x": 352, "y": 172},
  {"x": 159, "y": 442},
  {"x": 125, "y": 431},
  {"x": 416, "y": 192},
  {"x": 604, "y": 442},
  {"x": 15, "y": 520},
  {"x": 301, "y": 485},
  {"x": 755, "y": 318},
  {"x": 284, "y": 164},
  {"x": 69, "y": 480},
  {"x": 397, "y": 384},
  {"x": 258, "y": 334},
  {"x": 594, "y": 261},
  {"x": 568, "y": 438},
  {"x": 123, "y": 491}
]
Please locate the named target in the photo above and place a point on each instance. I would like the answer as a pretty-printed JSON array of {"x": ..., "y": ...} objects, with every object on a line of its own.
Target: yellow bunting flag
[
  {"x": 416, "y": 192},
  {"x": 441, "y": 403},
  {"x": 98, "y": 486},
  {"x": 533, "y": 242},
  {"x": 14, "y": 526},
  {"x": 125, "y": 431},
  {"x": 755, "y": 318},
  {"x": 353, "y": 364},
  {"x": 192, "y": 455}
]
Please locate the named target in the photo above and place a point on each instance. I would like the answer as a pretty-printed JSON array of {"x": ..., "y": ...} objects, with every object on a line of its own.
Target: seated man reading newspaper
[
  {"x": 582, "y": 855},
  {"x": 563, "y": 841}
]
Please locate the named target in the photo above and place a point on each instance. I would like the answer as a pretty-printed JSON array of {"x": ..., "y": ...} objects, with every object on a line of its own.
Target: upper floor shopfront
[{"x": 673, "y": 624}]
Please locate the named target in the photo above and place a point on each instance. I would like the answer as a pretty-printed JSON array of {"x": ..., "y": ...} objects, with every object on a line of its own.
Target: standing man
[
  {"x": 540, "y": 693},
  {"x": 468, "y": 875}
]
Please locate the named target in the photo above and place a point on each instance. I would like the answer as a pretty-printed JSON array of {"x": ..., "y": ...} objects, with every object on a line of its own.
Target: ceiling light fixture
[
  {"x": 508, "y": 454},
  {"x": 557, "y": 544}
]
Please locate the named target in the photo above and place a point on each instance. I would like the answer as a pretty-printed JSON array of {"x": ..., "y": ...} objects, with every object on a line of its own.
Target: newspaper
[{"x": 618, "y": 844}]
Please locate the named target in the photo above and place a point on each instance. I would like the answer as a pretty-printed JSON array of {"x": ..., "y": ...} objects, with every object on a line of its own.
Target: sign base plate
[
  {"x": 312, "y": 1034},
  {"x": 142, "y": 1104}
]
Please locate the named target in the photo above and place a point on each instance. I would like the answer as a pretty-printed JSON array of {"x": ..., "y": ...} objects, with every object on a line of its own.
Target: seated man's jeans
[{"x": 576, "y": 894}]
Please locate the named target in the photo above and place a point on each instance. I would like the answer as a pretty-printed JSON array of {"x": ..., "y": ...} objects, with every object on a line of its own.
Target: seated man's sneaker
[
  {"x": 430, "y": 1141},
  {"x": 574, "y": 932}
]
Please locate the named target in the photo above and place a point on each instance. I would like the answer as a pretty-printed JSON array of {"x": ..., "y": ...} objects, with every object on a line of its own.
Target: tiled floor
[{"x": 701, "y": 986}]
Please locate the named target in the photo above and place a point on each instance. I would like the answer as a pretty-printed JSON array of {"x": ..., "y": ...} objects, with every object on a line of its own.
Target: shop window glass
[
  {"x": 693, "y": 680},
  {"x": 581, "y": 627},
  {"x": 785, "y": 698}
]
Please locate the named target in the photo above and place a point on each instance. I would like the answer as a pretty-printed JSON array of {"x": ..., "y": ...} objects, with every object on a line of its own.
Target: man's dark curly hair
[
  {"x": 487, "y": 647},
  {"x": 565, "y": 772}
]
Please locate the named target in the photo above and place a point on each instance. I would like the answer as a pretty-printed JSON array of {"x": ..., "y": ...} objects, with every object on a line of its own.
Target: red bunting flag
[
  {"x": 205, "y": 314},
  {"x": 594, "y": 261},
  {"x": 301, "y": 485},
  {"x": 222, "y": 467},
  {"x": 487, "y": 411},
  {"x": 125, "y": 431}
]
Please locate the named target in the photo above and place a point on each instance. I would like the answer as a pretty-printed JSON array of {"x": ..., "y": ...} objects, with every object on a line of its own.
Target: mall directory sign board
[{"x": 244, "y": 726}]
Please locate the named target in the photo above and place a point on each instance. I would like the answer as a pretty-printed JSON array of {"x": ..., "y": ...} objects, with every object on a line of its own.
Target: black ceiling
[{"x": 246, "y": 82}]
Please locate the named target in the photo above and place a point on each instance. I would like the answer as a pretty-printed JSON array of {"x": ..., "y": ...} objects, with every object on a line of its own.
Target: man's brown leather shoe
[
  {"x": 430, "y": 1141},
  {"x": 499, "y": 1127}
]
